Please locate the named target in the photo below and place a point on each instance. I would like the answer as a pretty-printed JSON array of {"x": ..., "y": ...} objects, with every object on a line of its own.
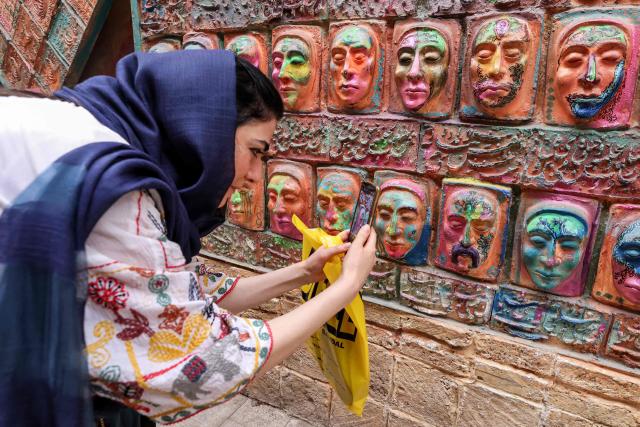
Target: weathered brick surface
[
  {"x": 400, "y": 419},
  {"x": 382, "y": 337},
  {"x": 510, "y": 380},
  {"x": 593, "y": 409},
  {"x": 518, "y": 355},
  {"x": 435, "y": 354},
  {"x": 381, "y": 365},
  {"x": 424, "y": 393},
  {"x": 557, "y": 418},
  {"x": 598, "y": 380},
  {"x": 304, "y": 397},
  {"x": 266, "y": 388},
  {"x": 451, "y": 334},
  {"x": 303, "y": 362},
  {"x": 373, "y": 414},
  {"x": 481, "y": 407}
]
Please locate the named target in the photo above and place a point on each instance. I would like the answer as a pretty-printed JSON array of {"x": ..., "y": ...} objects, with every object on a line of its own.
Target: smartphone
[{"x": 365, "y": 208}]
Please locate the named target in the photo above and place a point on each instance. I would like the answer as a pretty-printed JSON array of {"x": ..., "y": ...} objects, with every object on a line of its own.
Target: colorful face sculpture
[
  {"x": 421, "y": 71},
  {"x": 246, "y": 206},
  {"x": 353, "y": 68},
  {"x": 199, "y": 41},
  {"x": 289, "y": 192},
  {"x": 500, "y": 53},
  {"x": 164, "y": 45},
  {"x": 552, "y": 248},
  {"x": 618, "y": 278},
  {"x": 402, "y": 217},
  {"x": 424, "y": 52},
  {"x": 296, "y": 63},
  {"x": 554, "y": 242},
  {"x": 336, "y": 199},
  {"x": 250, "y": 47},
  {"x": 626, "y": 263},
  {"x": 591, "y": 69},
  {"x": 471, "y": 238},
  {"x": 501, "y": 75}
]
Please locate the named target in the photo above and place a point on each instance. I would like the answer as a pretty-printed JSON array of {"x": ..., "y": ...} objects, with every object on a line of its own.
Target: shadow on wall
[{"x": 114, "y": 42}]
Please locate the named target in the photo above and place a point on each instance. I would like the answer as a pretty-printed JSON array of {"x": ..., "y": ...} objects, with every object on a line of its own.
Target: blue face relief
[{"x": 588, "y": 107}]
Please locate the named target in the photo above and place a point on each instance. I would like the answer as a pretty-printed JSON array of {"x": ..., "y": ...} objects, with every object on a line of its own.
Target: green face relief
[
  {"x": 294, "y": 64},
  {"x": 589, "y": 35},
  {"x": 471, "y": 206},
  {"x": 336, "y": 202},
  {"x": 398, "y": 222},
  {"x": 499, "y": 28},
  {"x": 355, "y": 37},
  {"x": 236, "y": 198},
  {"x": 430, "y": 38},
  {"x": 240, "y": 45},
  {"x": 277, "y": 183},
  {"x": 557, "y": 226},
  {"x": 552, "y": 250}
]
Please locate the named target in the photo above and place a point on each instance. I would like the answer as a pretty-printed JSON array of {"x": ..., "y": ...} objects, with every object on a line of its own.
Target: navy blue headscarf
[{"x": 178, "y": 112}]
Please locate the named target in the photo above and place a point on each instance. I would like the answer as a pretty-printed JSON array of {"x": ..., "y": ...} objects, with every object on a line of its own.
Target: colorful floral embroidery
[
  {"x": 135, "y": 326},
  {"x": 97, "y": 353},
  {"x": 171, "y": 362},
  {"x": 165, "y": 346},
  {"x": 108, "y": 292},
  {"x": 174, "y": 318},
  {"x": 111, "y": 373},
  {"x": 158, "y": 284}
]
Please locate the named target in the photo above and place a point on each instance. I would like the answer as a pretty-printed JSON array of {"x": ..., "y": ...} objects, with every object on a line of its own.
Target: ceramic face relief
[
  {"x": 473, "y": 227},
  {"x": 554, "y": 242},
  {"x": 336, "y": 197},
  {"x": 289, "y": 191},
  {"x": 296, "y": 58}
]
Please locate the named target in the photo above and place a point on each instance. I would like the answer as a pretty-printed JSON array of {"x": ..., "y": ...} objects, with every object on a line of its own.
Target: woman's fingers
[
  {"x": 362, "y": 236},
  {"x": 371, "y": 241},
  {"x": 344, "y": 235},
  {"x": 334, "y": 250}
]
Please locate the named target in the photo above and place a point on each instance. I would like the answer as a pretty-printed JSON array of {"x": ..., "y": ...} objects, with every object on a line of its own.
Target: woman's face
[{"x": 252, "y": 143}]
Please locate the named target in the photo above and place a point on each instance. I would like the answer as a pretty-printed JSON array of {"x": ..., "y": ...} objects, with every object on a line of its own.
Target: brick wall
[
  {"x": 456, "y": 344},
  {"x": 45, "y": 43},
  {"x": 434, "y": 372}
]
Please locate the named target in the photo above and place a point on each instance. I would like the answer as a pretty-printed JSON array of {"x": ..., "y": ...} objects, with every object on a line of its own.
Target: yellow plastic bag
[{"x": 340, "y": 346}]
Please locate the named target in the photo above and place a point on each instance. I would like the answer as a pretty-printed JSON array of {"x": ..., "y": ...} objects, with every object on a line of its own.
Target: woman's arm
[
  {"x": 289, "y": 331},
  {"x": 250, "y": 292}
]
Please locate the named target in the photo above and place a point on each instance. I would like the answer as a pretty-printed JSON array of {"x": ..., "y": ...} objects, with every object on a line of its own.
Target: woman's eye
[
  {"x": 360, "y": 57},
  {"x": 384, "y": 216},
  {"x": 338, "y": 57},
  {"x": 290, "y": 198}
]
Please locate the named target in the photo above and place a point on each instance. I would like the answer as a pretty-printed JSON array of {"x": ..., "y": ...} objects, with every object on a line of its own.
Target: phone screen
[{"x": 364, "y": 208}]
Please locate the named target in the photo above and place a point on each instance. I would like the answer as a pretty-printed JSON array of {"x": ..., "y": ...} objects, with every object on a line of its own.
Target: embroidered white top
[{"x": 156, "y": 339}]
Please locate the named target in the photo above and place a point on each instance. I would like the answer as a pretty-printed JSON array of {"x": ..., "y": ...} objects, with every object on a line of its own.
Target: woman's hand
[
  {"x": 359, "y": 260},
  {"x": 314, "y": 264}
]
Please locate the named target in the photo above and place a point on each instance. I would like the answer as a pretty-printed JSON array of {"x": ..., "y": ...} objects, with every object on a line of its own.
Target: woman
[{"x": 117, "y": 181}]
